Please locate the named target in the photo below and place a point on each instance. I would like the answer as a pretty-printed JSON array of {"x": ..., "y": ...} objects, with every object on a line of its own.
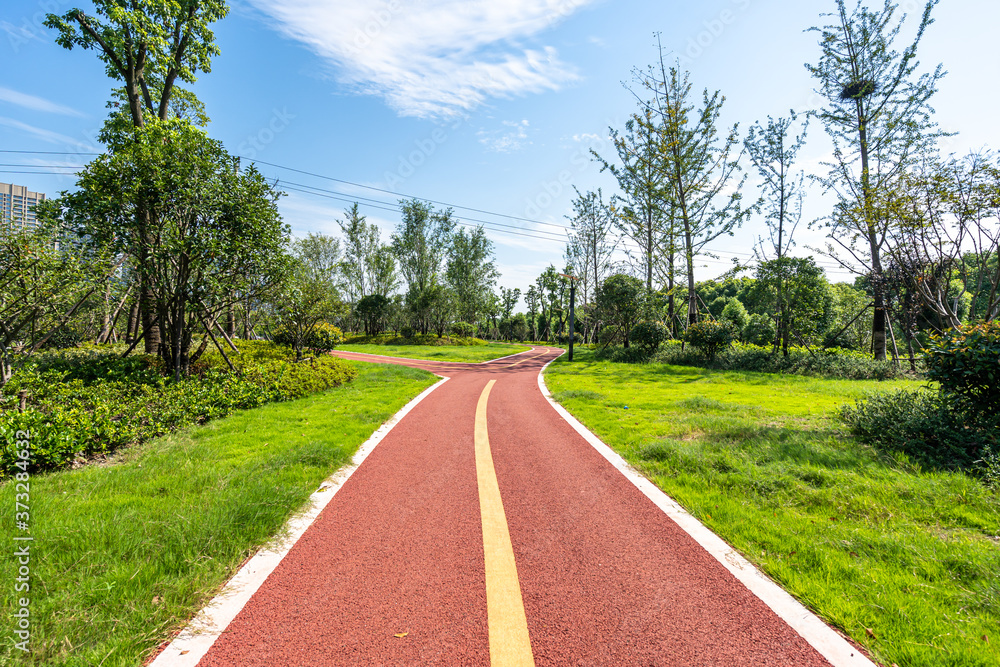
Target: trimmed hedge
[
  {"x": 833, "y": 363},
  {"x": 75, "y": 412}
]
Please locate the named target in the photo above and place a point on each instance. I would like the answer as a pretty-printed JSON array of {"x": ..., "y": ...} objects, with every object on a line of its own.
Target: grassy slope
[
  {"x": 906, "y": 562},
  {"x": 469, "y": 353},
  {"x": 124, "y": 555}
]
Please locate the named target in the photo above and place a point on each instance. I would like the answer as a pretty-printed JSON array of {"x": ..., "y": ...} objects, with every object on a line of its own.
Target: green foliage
[
  {"x": 736, "y": 314},
  {"x": 759, "y": 330},
  {"x": 621, "y": 300},
  {"x": 924, "y": 425},
  {"x": 648, "y": 336},
  {"x": 831, "y": 363},
  {"x": 966, "y": 362},
  {"x": 710, "y": 336},
  {"x": 463, "y": 329},
  {"x": 89, "y": 402},
  {"x": 324, "y": 337}
]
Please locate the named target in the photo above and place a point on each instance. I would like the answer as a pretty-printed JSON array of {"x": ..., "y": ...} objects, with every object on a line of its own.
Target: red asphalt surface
[{"x": 606, "y": 577}]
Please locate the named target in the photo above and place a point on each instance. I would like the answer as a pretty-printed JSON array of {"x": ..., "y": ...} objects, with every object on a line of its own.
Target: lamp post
[{"x": 572, "y": 312}]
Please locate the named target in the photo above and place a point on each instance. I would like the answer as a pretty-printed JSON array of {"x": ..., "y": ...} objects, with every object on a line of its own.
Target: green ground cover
[
  {"x": 468, "y": 353},
  {"x": 125, "y": 553},
  {"x": 904, "y": 560}
]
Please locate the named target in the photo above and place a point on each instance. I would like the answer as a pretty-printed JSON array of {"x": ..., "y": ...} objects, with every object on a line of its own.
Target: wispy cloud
[
  {"x": 45, "y": 135},
  {"x": 509, "y": 140},
  {"x": 35, "y": 103},
  {"x": 433, "y": 58}
]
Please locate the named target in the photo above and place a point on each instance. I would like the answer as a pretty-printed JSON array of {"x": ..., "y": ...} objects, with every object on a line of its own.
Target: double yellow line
[{"x": 509, "y": 642}]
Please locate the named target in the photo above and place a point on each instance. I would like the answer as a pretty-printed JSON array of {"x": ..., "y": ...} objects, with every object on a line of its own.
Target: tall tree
[
  {"x": 420, "y": 244},
  {"x": 591, "y": 245},
  {"x": 471, "y": 272},
  {"x": 216, "y": 238},
  {"x": 147, "y": 47},
  {"x": 699, "y": 163},
  {"x": 640, "y": 177},
  {"x": 773, "y": 152},
  {"x": 879, "y": 119}
]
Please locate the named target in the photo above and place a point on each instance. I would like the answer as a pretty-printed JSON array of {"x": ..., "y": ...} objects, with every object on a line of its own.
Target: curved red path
[{"x": 606, "y": 577}]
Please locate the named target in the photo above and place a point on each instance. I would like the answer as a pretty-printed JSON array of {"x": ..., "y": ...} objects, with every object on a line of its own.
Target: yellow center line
[
  {"x": 528, "y": 359},
  {"x": 509, "y": 642}
]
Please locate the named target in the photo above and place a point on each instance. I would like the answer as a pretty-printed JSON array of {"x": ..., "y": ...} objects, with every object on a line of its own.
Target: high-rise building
[{"x": 17, "y": 206}]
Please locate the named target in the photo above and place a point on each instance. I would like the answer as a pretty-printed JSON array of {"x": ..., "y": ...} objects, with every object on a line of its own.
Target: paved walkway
[{"x": 485, "y": 529}]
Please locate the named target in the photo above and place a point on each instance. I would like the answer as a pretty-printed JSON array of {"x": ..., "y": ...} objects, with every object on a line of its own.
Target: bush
[
  {"x": 966, "y": 362},
  {"x": 463, "y": 330},
  {"x": 649, "y": 335},
  {"x": 924, "y": 425},
  {"x": 759, "y": 330},
  {"x": 71, "y": 413},
  {"x": 563, "y": 338},
  {"x": 710, "y": 336},
  {"x": 324, "y": 337},
  {"x": 736, "y": 314}
]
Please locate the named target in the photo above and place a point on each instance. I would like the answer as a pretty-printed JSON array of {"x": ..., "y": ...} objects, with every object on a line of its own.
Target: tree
[
  {"x": 148, "y": 48},
  {"x": 879, "y": 119},
  {"x": 41, "y": 286},
  {"x": 368, "y": 266},
  {"x": 699, "y": 164},
  {"x": 773, "y": 153},
  {"x": 305, "y": 303},
  {"x": 810, "y": 302},
  {"x": 420, "y": 244},
  {"x": 591, "y": 245},
  {"x": 471, "y": 272},
  {"x": 621, "y": 301},
  {"x": 210, "y": 235},
  {"x": 640, "y": 177},
  {"x": 946, "y": 235},
  {"x": 373, "y": 310}
]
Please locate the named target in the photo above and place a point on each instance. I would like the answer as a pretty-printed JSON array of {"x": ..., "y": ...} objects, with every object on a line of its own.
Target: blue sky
[{"x": 488, "y": 105}]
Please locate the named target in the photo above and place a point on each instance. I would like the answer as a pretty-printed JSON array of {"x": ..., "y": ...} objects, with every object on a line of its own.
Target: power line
[{"x": 386, "y": 206}]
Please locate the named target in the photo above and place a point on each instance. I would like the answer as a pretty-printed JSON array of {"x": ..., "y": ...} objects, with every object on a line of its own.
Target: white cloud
[
  {"x": 431, "y": 58},
  {"x": 35, "y": 103},
  {"x": 45, "y": 135},
  {"x": 514, "y": 138}
]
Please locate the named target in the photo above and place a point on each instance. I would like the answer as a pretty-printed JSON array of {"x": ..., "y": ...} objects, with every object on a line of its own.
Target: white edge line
[
  {"x": 820, "y": 636},
  {"x": 194, "y": 641}
]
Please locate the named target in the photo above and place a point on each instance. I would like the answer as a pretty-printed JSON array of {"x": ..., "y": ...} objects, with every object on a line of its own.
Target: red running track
[{"x": 606, "y": 577}]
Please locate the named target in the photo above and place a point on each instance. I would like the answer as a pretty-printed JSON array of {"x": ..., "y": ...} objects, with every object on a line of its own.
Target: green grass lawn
[
  {"x": 469, "y": 353},
  {"x": 905, "y": 561},
  {"x": 124, "y": 554}
]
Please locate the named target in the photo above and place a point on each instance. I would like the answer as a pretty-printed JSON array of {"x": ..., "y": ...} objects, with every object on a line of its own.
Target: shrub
[
  {"x": 82, "y": 416},
  {"x": 324, "y": 337},
  {"x": 736, "y": 314},
  {"x": 966, "y": 363},
  {"x": 710, "y": 336},
  {"x": 649, "y": 335},
  {"x": 922, "y": 424},
  {"x": 463, "y": 329},
  {"x": 759, "y": 330},
  {"x": 563, "y": 338}
]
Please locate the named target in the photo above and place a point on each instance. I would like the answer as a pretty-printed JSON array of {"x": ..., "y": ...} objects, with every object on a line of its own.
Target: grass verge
[
  {"x": 472, "y": 354},
  {"x": 906, "y": 561},
  {"x": 124, "y": 554}
]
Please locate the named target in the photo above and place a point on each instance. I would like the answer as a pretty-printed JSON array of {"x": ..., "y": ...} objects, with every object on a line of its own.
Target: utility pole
[{"x": 572, "y": 311}]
